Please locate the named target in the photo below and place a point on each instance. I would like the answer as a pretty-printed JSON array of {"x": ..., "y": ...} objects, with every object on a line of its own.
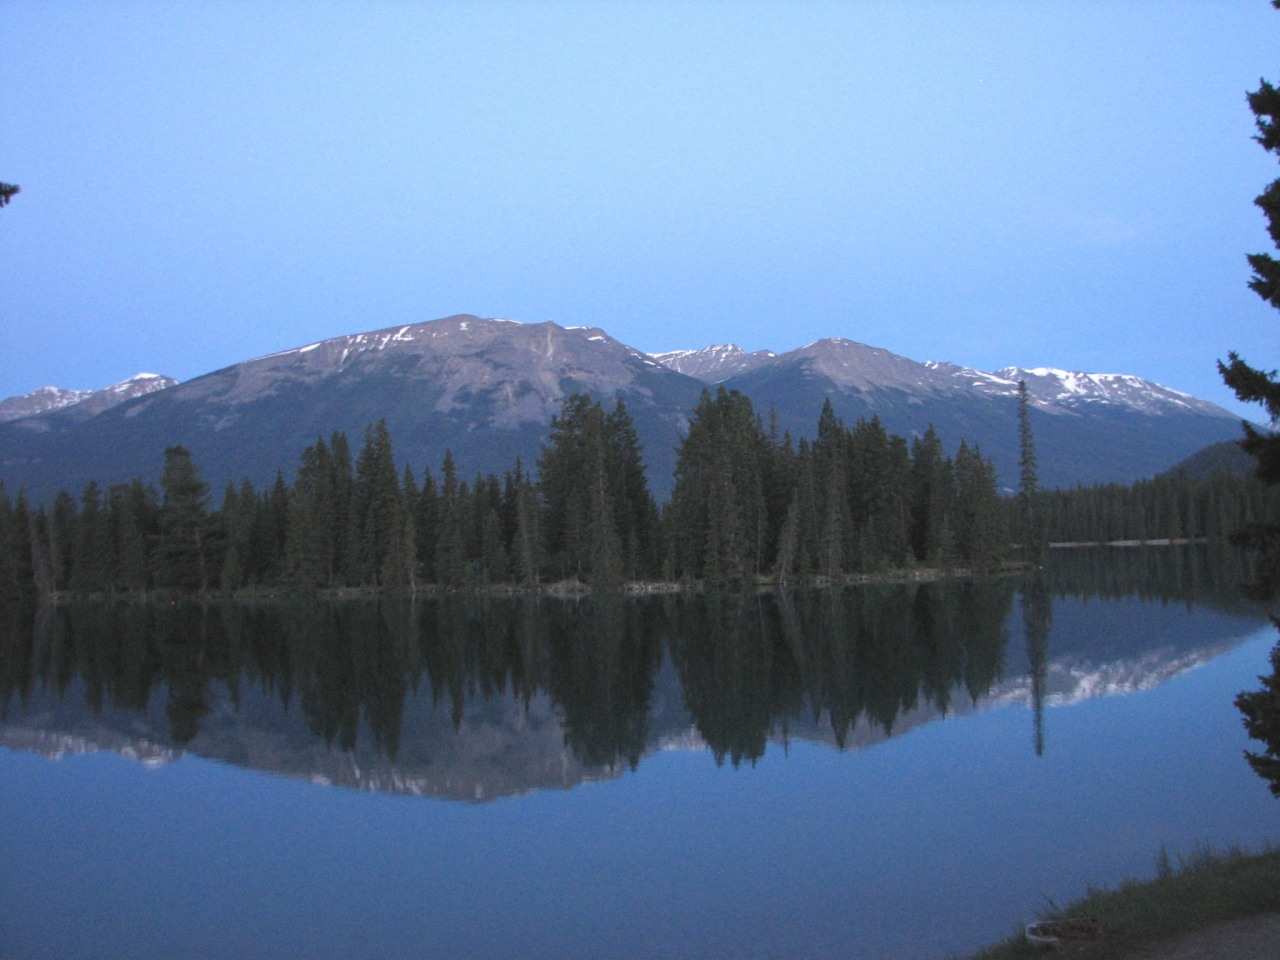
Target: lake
[{"x": 880, "y": 771}]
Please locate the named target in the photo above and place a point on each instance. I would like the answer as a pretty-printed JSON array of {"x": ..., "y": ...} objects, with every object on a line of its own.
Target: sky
[{"x": 1029, "y": 183}]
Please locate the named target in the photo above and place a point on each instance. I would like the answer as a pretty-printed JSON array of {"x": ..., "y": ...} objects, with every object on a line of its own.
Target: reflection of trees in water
[
  {"x": 1208, "y": 574},
  {"x": 602, "y": 657},
  {"x": 750, "y": 665},
  {"x": 1037, "y": 615}
]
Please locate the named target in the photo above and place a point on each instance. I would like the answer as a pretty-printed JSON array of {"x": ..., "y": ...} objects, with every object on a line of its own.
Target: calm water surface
[{"x": 887, "y": 771}]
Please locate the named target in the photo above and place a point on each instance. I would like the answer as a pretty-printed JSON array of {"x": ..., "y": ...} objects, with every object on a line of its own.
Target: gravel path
[{"x": 1257, "y": 938}]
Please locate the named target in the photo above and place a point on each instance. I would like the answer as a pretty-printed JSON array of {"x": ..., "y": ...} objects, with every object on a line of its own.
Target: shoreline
[
  {"x": 563, "y": 589},
  {"x": 1206, "y": 895},
  {"x": 1162, "y": 542}
]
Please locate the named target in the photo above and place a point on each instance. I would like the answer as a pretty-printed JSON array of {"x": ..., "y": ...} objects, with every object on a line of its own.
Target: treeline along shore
[{"x": 748, "y": 507}]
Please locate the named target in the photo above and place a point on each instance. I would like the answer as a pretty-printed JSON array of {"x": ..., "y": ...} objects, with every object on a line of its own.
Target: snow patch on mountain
[
  {"x": 52, "y": 399},
  {"x": 713, "y": 364},
  {"x": 856, "y": 366}
]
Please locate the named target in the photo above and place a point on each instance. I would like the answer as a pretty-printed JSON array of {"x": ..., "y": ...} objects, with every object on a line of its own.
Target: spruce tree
[
  {"x": 135, "y": 526},
  {"x": 179, "y": 557},
  {"x": 1261, "y": 709},
  {"x": 1255, "y": 385},
  {"x": 378, "y": 514},
  {"x": 717, "y": 516},
  {"x": 637, "y": 514},
  {"x": 564, "y": 480},
  {"x": 450, "y": 549},
  {"x": 1031, "y": 526},
  {"x": 343, "y": 486},
  {"x": 235, "y": 529},
  {"x": 25, "y": 539},
  {"x": 831, "y": 466},
  {"x": 10, "y": 585},
  {"x": 60, "y": 538},
  {"x": 91, "y": 556},
  {"x": 978, "y": 526},
  {"x": 312, "y": 543},
  {"x": 932, "y": 493},
  {"x": 493, "y": 559},
  {"x": 426, "y": 519},
  {"x": 527, "y": 544},
  {"x": 592, "y": 482}
]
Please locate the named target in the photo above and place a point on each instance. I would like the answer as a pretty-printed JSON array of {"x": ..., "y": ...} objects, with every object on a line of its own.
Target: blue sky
[{"x": 1032, "y": 183}]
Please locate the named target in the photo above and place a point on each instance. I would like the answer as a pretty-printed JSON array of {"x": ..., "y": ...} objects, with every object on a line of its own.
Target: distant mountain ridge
[
  {"x": 87, "y": 403},
  {"x": 1089, "y": 428},
  {"x": 484, "y": 388},
  {"x": 850, "y": 364},
  {"x": 714, "y": 364},
  {"x": 487, "y": 389}
]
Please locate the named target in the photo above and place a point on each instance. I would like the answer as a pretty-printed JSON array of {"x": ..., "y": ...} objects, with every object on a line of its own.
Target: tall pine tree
[{"x": 181, "y": 548}]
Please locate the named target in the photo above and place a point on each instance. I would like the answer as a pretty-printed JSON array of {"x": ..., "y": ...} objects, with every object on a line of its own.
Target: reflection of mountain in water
[{"x": 471, "y": 699}]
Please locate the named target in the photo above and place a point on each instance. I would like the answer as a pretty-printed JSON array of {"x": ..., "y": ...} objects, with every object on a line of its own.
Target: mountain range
[{"x": 487, "y": 389}]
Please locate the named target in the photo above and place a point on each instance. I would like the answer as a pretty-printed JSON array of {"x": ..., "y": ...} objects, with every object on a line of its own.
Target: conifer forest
[{"x": 748, "y": 507}]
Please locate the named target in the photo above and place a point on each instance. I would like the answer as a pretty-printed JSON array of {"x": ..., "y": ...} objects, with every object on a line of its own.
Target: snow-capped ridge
[
  {"x": 713, "y": 364},
  {"x": 47, "y": 400},
  {"x": 859, "y": 367}
]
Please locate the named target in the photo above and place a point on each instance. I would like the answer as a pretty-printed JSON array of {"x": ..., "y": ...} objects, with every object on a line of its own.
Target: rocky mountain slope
[
  {"x": 484, "y": 388},
  {"x": 487, "y": 388}
]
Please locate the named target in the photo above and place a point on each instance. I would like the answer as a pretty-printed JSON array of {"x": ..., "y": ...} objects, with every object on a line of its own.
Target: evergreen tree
[
  {"x": 184, "y": 523},
  {"x": 1031, "y": 528},
  {"x": 60, "y": 538},
  {"x": 346, "y": 556},
  {"x": 493, "y": 558},
  {"x": 92, "y": 556},
  {"x": 527, "y": 544},
  {"x": 806, "y": 498},
  {"x": 235, "y": 530},
  {"x": 637, "y": 514},
  {"x": 881, "y": 469},
  {"x": 135, "y": 525},
  {"x": 426, "y": 531},
  {"x": 1261, "y": 709},
  {"x": 978, "y": 526},
  {"x": 717, "y": 515},
  {"x": 411, "y": 505},
  {"x": 597, "y": 505},
  {"x": 1254, "y": 385},
  {"x": 23, "y": 533},
  {"x": 932, "y": 493},
  {"x": 450, "y": 549},
  {"x": 10, "y": 583},
  {"x": 831, "y": 463},
  {"x": 378, "y": 512},
  {"x": 313, "y": 543},
  {"x": 1251, "y": 385}
]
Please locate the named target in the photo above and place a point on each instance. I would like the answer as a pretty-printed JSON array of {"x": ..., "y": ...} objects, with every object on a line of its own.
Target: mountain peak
[
  {"x": 1050, "y": 387},
  {"x": 47, "y": 400},
  {"x": 713, "y": 364}
]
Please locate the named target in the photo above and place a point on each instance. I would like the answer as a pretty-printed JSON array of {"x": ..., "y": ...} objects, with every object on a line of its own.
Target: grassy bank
[{"x": 1201, "y": 889}]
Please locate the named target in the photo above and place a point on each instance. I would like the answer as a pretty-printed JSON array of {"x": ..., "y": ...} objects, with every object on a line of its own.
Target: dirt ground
[{"x": 1257, "y": 938}]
